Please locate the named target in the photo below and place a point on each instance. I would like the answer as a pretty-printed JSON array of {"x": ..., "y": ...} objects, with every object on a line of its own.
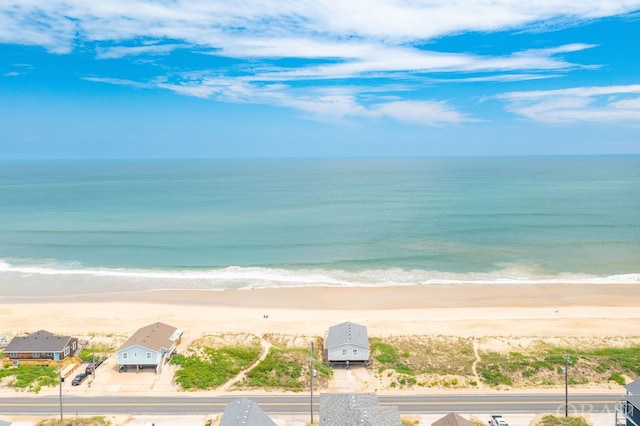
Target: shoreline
[{"x": 427, "y": 296}]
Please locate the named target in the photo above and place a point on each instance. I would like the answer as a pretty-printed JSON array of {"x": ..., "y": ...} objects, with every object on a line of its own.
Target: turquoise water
[{"x": 338, "y": 222}]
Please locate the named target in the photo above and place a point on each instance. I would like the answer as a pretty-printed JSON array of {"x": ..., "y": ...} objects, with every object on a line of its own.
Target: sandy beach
[
  {"x": 511, "y": 311},
  {"x": 458, "y": 310}
]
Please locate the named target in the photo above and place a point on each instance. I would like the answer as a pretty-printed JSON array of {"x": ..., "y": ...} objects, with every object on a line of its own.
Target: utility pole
[
  {"x": 565, "y": 370},
  {"x": 61, "y": 380},
  {"x": 311, "y": 374}
]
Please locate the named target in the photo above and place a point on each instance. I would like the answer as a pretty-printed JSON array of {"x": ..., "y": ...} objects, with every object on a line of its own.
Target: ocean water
[{"x": 361, "y": 222}]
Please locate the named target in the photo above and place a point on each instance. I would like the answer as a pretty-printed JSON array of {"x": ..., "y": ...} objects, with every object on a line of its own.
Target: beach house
[
  {"x": 452, "y": 419},
  {"x": 149, "y": 347},
  {"x": 628, "y": 410},
  {"x": 41, "y": 346},
  {"x": 244, "y": 412},
  {"x": 346, "y": 343},
  {"x": 363, "y": 409}
]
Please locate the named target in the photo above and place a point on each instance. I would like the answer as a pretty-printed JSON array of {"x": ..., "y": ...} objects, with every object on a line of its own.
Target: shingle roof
[
  {"x": 633, "y": 387},
  {"x": 634, "y": 400},
  {"x": 347, "y": 333},
  {"x": 40, "y": 341},
  {"x": 348, "y": 409},
  {"x": 243, "y": 412},
  {"x": 155, "y": 336},
  {"x": 452, "y": 419}
]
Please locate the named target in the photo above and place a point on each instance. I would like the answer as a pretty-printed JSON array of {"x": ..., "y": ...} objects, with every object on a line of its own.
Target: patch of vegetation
[
  {"x": 562, "y": 421},
  {"x": 209, "y": 368},
  {"x": 389, "y": 358},
  {"x": 543, "y": 365},
  {"x": 90, "y": 421},
  {"x": 416, "y": 355},
  {"x": 89, "y": 355},
  {"x": 617, "y": 377},
  {"x": 280, "y": 369},
  {"x": 31, "y": 377},
  {"x": 288, "y": 369}
]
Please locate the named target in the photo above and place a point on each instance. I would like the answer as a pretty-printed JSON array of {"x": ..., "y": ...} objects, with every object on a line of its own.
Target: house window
[
  {"x": 344, "y": 352},
  {"x": 13, "y": 355},
  {"x": 135, "y": 354},
  {"x": 66, "y": 351},
  {"x": 74, "y": 345},
  {"x": 35, "y": 354},
  {"x": 125, "y": 355},
  {"x": 630, "y": 410},
  {"x": 148, "y": 355},
  {"x": 355, "y": 352}
]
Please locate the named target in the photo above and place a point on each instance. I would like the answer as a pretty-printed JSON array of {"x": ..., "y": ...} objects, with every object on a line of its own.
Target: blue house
[{"x": 149, "y": 347}]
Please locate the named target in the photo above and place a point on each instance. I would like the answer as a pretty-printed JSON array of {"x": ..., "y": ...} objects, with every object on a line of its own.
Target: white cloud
[
  {"x": 119, "y": 82},
  {"x": 267, "y": 28},
  {"x": 122, "y": 51},
  {"x": 420, "y": 112},
  {"x": 332, "y": 39},
  {"x": 589, "y": 104}
]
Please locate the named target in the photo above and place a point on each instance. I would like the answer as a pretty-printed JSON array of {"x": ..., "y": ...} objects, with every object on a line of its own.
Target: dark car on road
[{"x": 78, "y": 379}]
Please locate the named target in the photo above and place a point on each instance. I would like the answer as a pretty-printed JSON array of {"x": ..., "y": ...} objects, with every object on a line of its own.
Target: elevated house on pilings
[
  {"x": 149, "y": 347},
  {"x": 346, "y": 343}
]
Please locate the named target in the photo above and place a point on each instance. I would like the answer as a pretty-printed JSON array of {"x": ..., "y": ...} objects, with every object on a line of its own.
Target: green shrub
[
  {"x": 562, "y": 421},
  {"x": 388, "y": 356},
  {"x": 31, "y": 377},
  {"x": 215, "y": 368},
  {"x": 617, "y": 377}
]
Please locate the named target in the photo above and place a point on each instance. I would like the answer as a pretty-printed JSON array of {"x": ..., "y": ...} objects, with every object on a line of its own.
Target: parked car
[
  {"x": 77, "y": 381},
  {"x": 93, "y": 365},
  {"x": 497, "y": 420}
]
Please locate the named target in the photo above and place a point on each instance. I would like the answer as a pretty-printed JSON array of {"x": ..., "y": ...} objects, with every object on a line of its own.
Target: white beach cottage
[
  {"x": 149, "y": 347},
  {"x": 347, "y": 342}
]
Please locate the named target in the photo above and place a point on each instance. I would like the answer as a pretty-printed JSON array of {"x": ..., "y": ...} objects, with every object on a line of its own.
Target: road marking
[{"x": 223, "y": 404}]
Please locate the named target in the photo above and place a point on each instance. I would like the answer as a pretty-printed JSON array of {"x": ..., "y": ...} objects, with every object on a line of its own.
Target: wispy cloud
[
  {"x": 591, "y": 104},
  {"x": 329, "y": 40},
  {"x": 123, "y": 51}
]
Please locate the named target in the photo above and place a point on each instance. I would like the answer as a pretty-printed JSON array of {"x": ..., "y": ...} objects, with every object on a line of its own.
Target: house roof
[
  {"x": 347, "y": 333},
  {"x": 634, "y": 400},
  {"x": 243, "y": 412},
  {"x": 633, "y": 387},
  {"x": 348, "y": 409},
  {"x": 155, "y": 337},
  {"x": 40, "y": 341},
  {"x": 452, "y": 419}
]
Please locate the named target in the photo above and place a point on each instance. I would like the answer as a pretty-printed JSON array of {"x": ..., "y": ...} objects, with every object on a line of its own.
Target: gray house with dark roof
[
  {"x": 149, "y": 347},
  {"x": 41, "y": 346},
  {"x": 348, "y": 409},
  {"x": 243, "y": 412},
  {"x": 628, "y": 410},
  {"x": 346, "y": 342}
]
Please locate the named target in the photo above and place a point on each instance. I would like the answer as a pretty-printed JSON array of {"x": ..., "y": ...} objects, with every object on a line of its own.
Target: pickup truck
[{"x": 497, "y": 420}]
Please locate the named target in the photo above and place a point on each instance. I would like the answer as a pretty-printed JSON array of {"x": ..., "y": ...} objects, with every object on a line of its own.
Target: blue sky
[{"x": 280, "y": 78}]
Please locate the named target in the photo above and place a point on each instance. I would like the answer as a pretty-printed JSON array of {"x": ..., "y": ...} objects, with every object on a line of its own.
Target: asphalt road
[{"x": 287, "y": 404}]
